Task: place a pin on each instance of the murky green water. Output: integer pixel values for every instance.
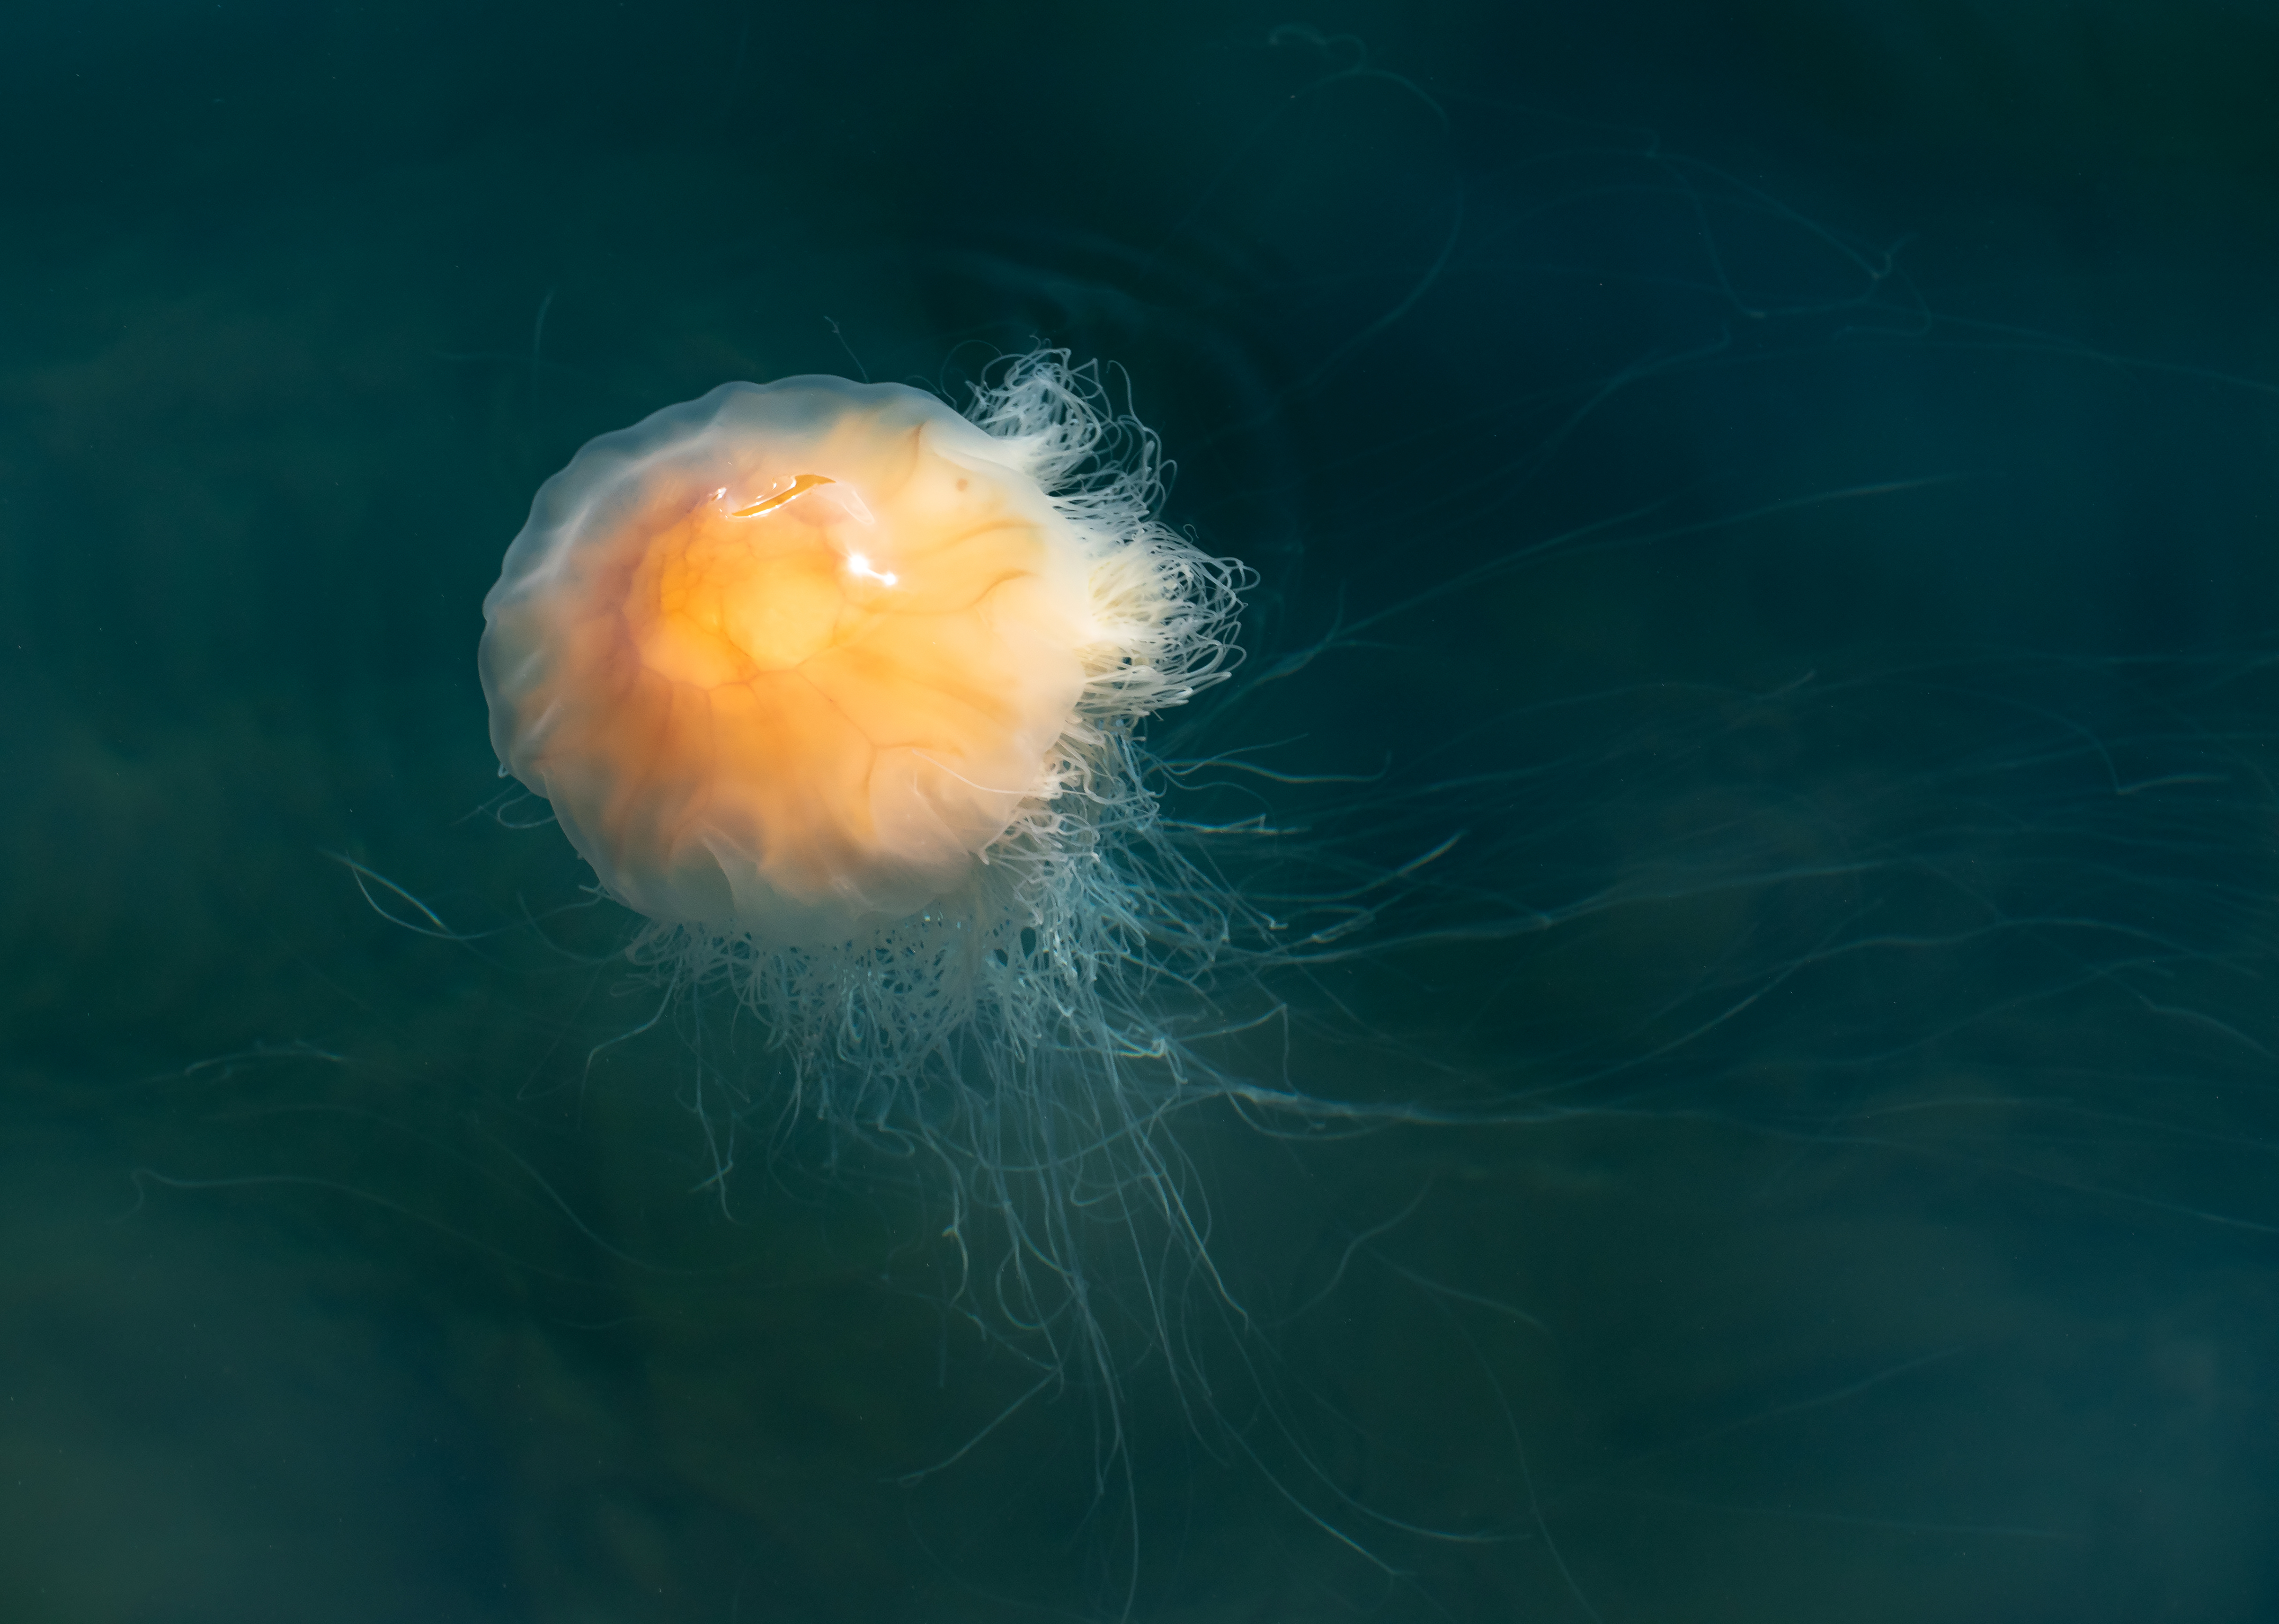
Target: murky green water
(1793, 487)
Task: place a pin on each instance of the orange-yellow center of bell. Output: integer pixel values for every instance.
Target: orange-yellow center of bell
(729, 594)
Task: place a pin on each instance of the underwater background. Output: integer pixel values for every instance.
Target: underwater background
(1788, 488)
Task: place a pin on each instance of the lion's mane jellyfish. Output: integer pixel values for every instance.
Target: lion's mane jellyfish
(838, 689)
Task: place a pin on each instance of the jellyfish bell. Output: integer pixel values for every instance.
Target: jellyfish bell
(786, 659)
(820, 675)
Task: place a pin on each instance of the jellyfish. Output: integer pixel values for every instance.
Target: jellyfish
(840, 691)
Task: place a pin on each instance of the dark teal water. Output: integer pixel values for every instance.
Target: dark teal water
(1793, 486)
